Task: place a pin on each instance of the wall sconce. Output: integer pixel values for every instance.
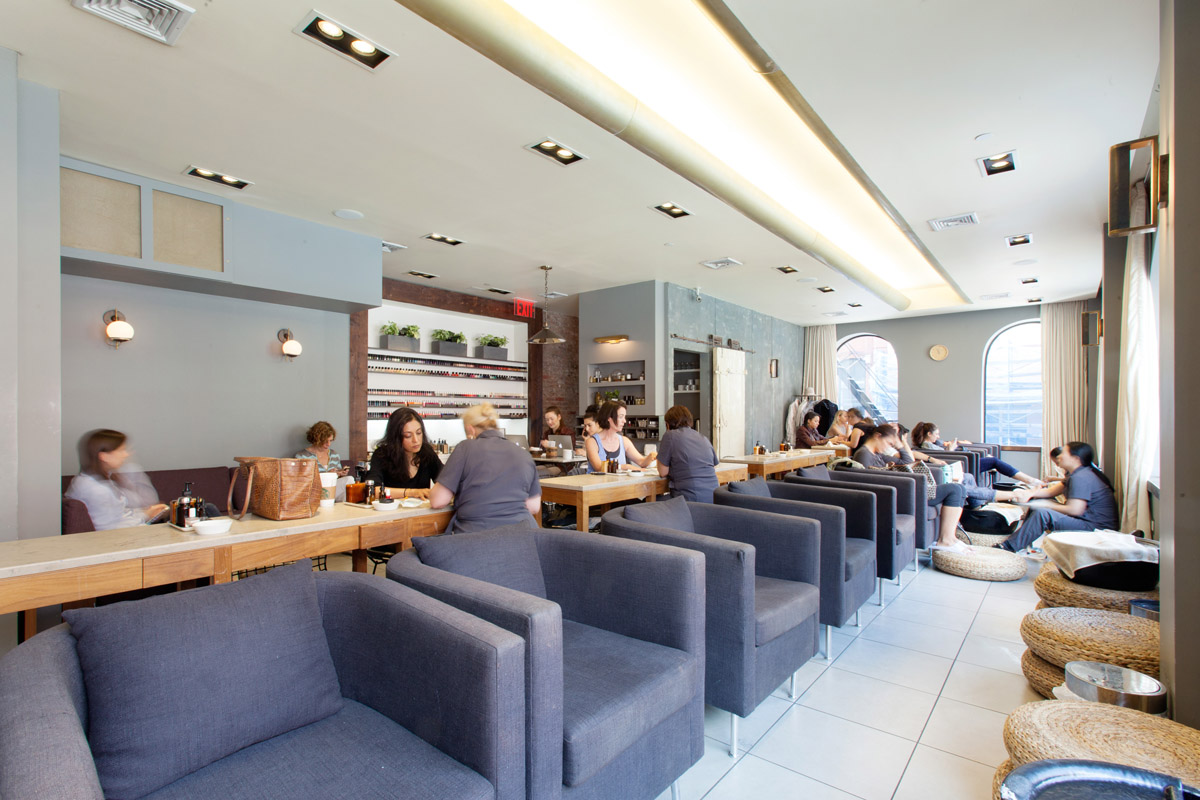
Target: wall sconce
(616, 339)
(1127, 163)
(773, 368)
(116, 329)
(291, 347)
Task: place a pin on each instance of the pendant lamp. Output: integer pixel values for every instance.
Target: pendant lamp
(545, 335)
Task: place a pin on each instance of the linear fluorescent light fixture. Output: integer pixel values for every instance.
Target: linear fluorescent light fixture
(161, 20)
(673, 211)
(443, 238)
(556, 152)
(217, 177)
(418, 274)
(1018, 240)
(332, 35)
(997, 164)
(787, 269)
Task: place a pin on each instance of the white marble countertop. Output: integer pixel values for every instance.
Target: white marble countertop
(774, 456)
(624, 477)
(50, 553)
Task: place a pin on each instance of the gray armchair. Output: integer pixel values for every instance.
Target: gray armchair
(762, 573)
(899, 529)
(614, 643)
(284, 685)
(847, 539)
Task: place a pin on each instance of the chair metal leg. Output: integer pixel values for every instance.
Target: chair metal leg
(879, 599)
(856, 618)
(792, 686)
(896, 580)
(829, 643)
(675, 795)
(733, 726)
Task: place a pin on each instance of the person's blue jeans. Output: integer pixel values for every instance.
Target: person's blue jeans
(1040, 520)
(988, 463)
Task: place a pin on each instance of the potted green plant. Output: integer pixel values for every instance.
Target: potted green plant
(449, 343)
(494, 347)
(406, 339)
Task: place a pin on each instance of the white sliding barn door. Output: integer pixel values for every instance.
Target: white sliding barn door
(729, 402)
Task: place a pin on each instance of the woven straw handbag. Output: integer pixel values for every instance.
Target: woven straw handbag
(277, 488)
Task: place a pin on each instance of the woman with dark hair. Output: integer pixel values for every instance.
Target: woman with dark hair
(404, 460)
(806, 435)
(611, 443)
(874, 447)
(556, 426)
(114, 498)
(687, 458)
(1091, 504)
(859, 426)
(926, 435)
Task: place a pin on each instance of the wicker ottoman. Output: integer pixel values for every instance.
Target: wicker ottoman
(1060, 635)
(1041, 674)
(1100, 732)
(980, 539)
(1057, 591)
(997, 779)
(981, 564)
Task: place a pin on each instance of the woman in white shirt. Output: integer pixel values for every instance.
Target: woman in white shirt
(114, 498)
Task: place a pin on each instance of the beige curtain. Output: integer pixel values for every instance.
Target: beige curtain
(820, 361)
(1137, 385)
(1064, 389)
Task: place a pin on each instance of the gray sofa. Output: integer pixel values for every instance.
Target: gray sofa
(614, 637)
(286, 685)
(847, 540)
(762, 573)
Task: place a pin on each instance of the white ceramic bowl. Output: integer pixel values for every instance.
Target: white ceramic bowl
(211, 526)
(380, 505)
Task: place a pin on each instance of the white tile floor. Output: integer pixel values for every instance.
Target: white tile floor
(911, 707)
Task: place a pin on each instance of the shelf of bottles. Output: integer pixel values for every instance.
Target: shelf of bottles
(637, 428)
(389, 363)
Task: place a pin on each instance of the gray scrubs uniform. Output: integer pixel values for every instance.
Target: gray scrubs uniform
(691, 459)
(491, 478)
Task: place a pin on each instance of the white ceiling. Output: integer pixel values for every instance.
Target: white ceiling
(433, 141)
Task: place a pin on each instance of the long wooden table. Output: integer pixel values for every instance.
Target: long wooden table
(587, 491)
(778, 463)
(78, 568)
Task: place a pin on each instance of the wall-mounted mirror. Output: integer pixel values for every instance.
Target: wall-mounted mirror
(1128, 163)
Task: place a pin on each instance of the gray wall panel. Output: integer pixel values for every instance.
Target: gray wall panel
(203, 380)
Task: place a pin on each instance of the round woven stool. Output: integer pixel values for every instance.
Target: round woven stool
(1057, 591)
(1060, 635)
(1041, 674)
(980, 539)
(1042, 604)
(981, 564)
(997, 779)
(1100, 732)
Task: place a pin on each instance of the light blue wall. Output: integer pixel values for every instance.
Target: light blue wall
(635, 310)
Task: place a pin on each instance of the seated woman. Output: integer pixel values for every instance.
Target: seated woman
(687, 458)
(555, 426)
(404, 460)
(1091, 504)
(926, 435)
(611, 443)
(320, 436)
(839, 429)
(114, 498)
(491, 482)
(806, 435)
(859, 424)
(876, 444)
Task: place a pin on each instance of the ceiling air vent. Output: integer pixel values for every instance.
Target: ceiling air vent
(997, 296)
(957, 221)
(554, 295)
(721, 263)
(161, 20)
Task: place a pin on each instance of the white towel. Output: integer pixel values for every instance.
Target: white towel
(1072, 550)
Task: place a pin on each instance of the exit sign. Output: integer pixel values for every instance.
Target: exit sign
(523, 308)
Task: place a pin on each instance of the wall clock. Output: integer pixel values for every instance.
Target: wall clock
(939, 352)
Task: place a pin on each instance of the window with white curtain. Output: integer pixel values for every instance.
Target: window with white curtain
(1012, 386)
(869, 377)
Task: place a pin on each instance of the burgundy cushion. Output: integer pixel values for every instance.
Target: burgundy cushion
(210, 483)
(75, 517)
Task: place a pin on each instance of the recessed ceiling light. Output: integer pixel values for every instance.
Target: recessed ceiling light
(825, 289)
(345, 42)
(329, 30)
(673, 211)
(441, 237)
(348, 213)
(854, 305)
(219, 178)
(1001, 162)
(494, 290)
(556, 151)
(1027, 281)
(787, 269)
(1019, 239)
(426, 275)
(1034, 300)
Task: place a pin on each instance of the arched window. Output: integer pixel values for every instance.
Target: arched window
(868, 377)
(1012, 386)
